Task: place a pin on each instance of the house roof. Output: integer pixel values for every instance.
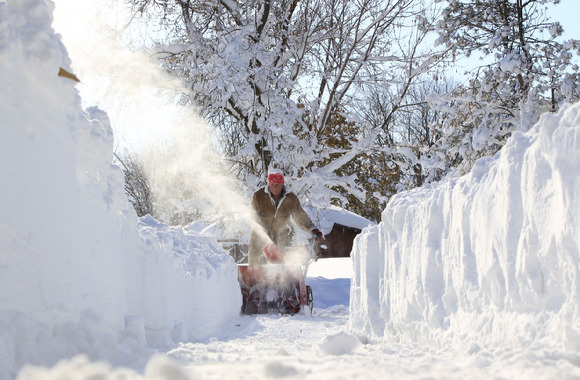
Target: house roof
(336, 215)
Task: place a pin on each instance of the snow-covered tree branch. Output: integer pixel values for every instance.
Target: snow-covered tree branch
(525, 71)
(283, 82)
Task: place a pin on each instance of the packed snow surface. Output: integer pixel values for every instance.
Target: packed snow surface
(474, 277)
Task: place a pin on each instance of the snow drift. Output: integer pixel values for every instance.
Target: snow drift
(78, 271)
(485, 261)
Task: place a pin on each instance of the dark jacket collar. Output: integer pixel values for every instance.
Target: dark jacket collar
(282, 194)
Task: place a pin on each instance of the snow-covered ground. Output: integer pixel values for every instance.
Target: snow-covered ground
(474, 277)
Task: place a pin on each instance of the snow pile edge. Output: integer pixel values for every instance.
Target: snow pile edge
(487, 260)
(79, 273)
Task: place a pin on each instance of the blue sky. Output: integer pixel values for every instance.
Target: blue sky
(567, 14)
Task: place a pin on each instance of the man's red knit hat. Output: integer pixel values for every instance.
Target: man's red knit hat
(275, 176)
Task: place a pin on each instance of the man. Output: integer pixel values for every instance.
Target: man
(272, 206)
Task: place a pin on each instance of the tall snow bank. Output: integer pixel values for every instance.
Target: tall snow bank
(78, 271)
(490, 259)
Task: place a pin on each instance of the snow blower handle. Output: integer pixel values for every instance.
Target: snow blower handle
(317, 235)
(316, 243)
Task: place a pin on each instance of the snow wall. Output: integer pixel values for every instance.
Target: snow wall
(484, 261)
(79, 272)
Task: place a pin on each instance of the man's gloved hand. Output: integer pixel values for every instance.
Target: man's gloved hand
(319, 236)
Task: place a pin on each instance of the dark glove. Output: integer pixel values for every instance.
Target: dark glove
(319, 236)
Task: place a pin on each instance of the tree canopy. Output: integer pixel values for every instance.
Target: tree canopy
(350, 98)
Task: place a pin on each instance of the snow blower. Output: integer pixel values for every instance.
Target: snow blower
(280, 286)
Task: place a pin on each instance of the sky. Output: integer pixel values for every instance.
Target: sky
(566, 12)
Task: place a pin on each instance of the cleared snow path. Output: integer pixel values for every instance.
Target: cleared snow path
(266, 346)
(319, 347)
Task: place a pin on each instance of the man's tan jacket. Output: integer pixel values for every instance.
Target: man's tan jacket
(273, 222)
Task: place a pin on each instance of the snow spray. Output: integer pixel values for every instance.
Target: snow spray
(147, 111)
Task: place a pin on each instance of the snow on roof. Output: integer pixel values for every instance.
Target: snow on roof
(337, 215)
